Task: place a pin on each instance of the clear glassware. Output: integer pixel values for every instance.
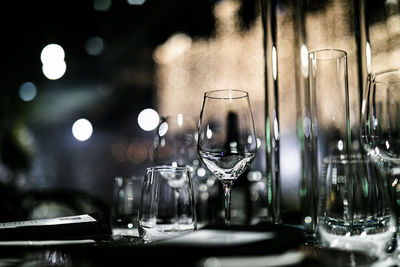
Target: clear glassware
(380, 126)
(227, 142)
(291, 30)
(328, 103)
(167, 203)
(330, 117)
(355, 208)
(126, 200)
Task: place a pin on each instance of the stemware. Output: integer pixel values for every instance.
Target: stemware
(380, 126)
(226, 137)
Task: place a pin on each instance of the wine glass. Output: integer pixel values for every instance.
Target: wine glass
(380, 129)
(227, 141)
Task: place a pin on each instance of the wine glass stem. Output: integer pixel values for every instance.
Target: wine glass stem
(227, 192)
(395, 185)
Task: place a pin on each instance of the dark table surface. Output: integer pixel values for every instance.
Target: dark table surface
(289, 246)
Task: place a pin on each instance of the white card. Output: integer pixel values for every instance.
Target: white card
(53, 221)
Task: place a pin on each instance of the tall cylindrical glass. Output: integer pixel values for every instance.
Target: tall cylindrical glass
(354, 209)
(291, 30)
(329, 105)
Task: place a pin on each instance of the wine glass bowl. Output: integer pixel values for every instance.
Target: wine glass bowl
(227, 140)
(380, 126)
(381, 115)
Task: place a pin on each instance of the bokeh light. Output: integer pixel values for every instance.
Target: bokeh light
(137, 152)
(119, 151)
(201, 172)
(148, 119)
(136, 2)
(82, 129)
(27, 91)
(254, 176)
(94, 46)
(178, 44)
(54, 70)
(52, 57)
(102, 5)
(51, 53)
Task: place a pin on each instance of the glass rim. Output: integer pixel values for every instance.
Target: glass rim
(386, 72)
(333, 52)
(213, 94)
(166, 168)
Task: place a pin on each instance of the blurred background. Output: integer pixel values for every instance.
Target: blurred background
(85, 83)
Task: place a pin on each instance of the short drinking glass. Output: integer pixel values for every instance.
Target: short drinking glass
(355, 206)
(167, 204)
